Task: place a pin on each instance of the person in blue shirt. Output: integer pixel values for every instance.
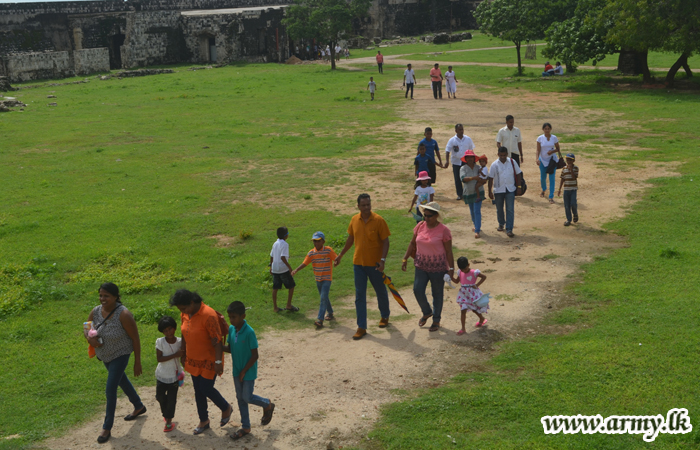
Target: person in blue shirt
(423, 163)
(433, 152)
(243, 346)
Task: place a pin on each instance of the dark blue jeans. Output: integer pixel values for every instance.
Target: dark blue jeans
(203, 389)
(570, 204)
(362, 273)
(475, 212)
(117, 378)
(458, 181)
(245, 397)
(324, 288)
(437, 286)
(508, 218)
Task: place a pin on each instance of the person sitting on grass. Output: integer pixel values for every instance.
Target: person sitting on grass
(548, 70)
(243, 347)
(321, 257)
(281, 270)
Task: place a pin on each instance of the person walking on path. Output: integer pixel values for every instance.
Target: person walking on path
(450, 82)
(505, 179)
(511, 138)
(569, 179)
(436, 80)
(115, 336)
(470, 173)
(380, 61)
(456, 147)
(321, 258)
(281, 270)
(432, 246)
(372, 86)
(432, 150)
(409, 79)
(369, 233)
(548, 154)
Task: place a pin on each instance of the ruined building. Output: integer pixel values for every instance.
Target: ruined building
(61, 39)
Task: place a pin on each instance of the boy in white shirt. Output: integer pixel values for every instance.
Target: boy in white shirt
(168, 372)
(281, 271)
(409, 79)
(371, 86)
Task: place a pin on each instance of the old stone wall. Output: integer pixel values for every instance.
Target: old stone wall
(91, 60)
(153, 37)
(33, 66)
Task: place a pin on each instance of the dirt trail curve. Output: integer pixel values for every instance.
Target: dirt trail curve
(327, 387)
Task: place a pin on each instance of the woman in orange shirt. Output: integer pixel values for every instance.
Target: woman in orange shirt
(202, 354)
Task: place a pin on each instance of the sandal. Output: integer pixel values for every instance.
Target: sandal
(330, 317)
(130, 416)
(480, 324)
(434, 327)
(239, 434)
(267, 415)
(168, 428)
(542, 194)
(424, 319)
(461, 332)
(292, 309)
(500, 229)
(318, 324)
(200, 430)
(551, 201)
(477, 235)
(225, 420)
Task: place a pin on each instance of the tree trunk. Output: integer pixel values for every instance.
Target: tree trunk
(646, 75)
(517, 49)
(570, 67)
(686, 67)
(671, 75)
(632, 62)
(333, 44)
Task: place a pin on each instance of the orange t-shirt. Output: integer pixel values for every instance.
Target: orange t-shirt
(368, 238)
(380, 58)
(199, 331)
(435, 74)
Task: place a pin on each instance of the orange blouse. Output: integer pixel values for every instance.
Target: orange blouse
(199, 331)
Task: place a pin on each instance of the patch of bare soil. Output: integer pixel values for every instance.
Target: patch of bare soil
(327, 387)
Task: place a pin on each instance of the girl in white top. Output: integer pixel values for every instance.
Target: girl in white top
(547, 150)
(168, 372)
(423, 195)
(451, 83)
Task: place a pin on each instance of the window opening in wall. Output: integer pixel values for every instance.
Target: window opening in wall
(115, 51)
(212, 50)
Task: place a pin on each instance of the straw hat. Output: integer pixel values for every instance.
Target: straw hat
(432, 206)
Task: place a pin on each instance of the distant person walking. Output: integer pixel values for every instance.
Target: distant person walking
(370, 235)
(456, 147)
(433, 151)
(548, 154)
(436, 80)
(505, 180)
(380, 61)
(409, 79)
(451, 83)
(372, 86)
(473, 189)
(569, 180)
(511, 138)
(338, 51)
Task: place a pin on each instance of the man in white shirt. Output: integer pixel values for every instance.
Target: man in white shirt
(409, 79)
(455, 149)
(338, 50)
(510, 137)
(505, 180)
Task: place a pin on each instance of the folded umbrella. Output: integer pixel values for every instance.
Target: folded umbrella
(394, 292)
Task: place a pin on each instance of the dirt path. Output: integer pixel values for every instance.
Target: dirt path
(327, 387)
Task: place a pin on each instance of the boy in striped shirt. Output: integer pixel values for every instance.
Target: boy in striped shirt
(321, 257)
(569, 180)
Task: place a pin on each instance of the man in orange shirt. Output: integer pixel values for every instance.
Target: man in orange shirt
(370, 234)
(380, 61)
(436, 78)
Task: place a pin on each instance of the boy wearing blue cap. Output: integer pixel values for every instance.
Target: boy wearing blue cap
(321, 257)
(569, 179)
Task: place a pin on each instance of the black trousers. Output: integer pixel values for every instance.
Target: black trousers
(515, 157)
(409, 86)
(381, 70)
(437, 89)
(166, 394)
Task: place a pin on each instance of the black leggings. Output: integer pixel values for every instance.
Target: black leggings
(166, 394)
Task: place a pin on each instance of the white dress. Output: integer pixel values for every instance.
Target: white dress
(450, 82)
(468, 293)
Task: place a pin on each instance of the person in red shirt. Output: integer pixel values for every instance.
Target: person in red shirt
(436, 78)
(380, 61)
(548, 70)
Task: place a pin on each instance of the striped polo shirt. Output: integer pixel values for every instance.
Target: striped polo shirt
(570, 183)
(322, 261)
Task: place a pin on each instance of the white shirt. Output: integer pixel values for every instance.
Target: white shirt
(450, 76)
(424, 195)
(510, 139)
(166, 372)
(279, 249)
(372, 86)
(410, 76)
(462, 145)
(503, 177)
(547, 146)
(337, 50)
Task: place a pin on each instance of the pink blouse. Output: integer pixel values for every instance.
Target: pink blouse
(468, 278)
(430, 248)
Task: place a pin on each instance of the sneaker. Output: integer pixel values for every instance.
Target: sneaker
(576, 218)
(566, 224)
(384, 322)
(359, 334)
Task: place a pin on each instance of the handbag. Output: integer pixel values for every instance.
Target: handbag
(523, 184)
(561, 163)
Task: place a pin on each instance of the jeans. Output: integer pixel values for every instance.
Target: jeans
(375, 277)
(324, 288)
(458, 181)
(381, 70)
(117, 377)
(570, 204)
(475, 212)
(245, 397)
(437, 89)
(543, 179)
(509, 218)
(166, 394)
(437, 286)
(409, 86)
(203, 389)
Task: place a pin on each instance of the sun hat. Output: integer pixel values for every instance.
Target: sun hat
(468, 153)
(570, 156)
(318, 236)
(482, 157)
(432, 206)
(423, 176)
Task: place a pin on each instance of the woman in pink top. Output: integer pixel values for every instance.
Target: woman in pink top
(436, 78)
(431, 249)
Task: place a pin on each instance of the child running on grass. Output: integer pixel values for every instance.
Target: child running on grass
(423, 195)
(372, 86)
(243, 347)
(168, 351)
(469, 292)
(281, 271)
(321, 257)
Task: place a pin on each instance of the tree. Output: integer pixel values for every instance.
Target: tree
(323, 20)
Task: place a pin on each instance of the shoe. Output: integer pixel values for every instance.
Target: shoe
(267, 415)
(510, 234)
(134, 416)
(566, 224)
(359, 334)
(200, 430)
(102, 439)
(319, 324)
(384, 322)
(576, 218)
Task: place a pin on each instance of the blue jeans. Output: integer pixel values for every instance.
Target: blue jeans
(324, 288)
(458, 181)
(203, 389)
(509, 218)
(375, 277)
(117, 377)
(475, 212)
(437, 286)
(245, 397)
(570, 204)
(543, 179)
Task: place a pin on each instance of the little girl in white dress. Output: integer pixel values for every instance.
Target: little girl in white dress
(469, 292)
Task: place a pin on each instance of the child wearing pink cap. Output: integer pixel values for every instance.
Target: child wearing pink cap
(423, 195)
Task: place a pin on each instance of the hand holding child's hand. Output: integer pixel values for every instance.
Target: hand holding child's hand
(294, 272)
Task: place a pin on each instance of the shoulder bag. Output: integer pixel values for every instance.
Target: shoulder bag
(523, 185)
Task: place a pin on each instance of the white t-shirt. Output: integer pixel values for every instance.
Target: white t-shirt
(462, 145)
(424, 195)
(503, 177)
(372, 86)
(547, 146)
(166, 372)
(484, 173)
(338, 50)
(410, 76)
(450, 76)
(509, 139)
(279, 249)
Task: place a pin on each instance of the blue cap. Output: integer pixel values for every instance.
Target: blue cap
(570, 156)
(318, 236)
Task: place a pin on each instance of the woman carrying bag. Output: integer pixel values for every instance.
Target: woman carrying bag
(548, 155)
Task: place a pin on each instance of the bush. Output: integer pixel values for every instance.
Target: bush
(151, 312)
